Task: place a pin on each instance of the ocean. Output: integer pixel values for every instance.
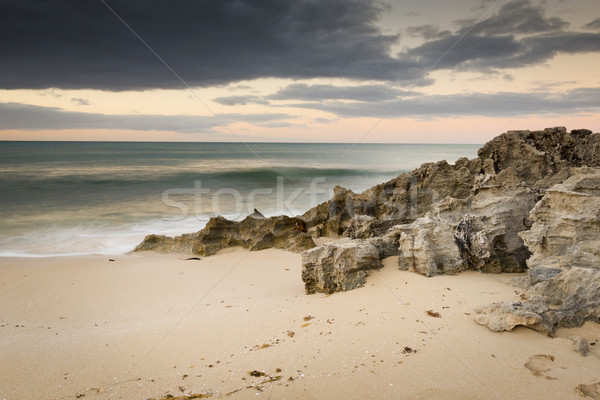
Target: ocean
(75, 198)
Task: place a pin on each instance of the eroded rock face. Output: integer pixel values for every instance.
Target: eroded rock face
(427, 246)
(531, 159)
(479, 232)
(566, 228)
(566, 300)
(253, 233)
(564, 269)
(449, 218)
(166, 244)
(336, 267)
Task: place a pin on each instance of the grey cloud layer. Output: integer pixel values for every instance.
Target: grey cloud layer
(500, 104)
(80, 44)
(301, 91)
(30, 117)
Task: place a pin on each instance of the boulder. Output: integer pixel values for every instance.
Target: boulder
(336, 267)
(566, 300)
(505, 316)
(427, 246)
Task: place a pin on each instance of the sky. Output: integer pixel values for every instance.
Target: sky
(399, 71)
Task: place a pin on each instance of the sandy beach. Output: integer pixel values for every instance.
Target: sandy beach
(147, 325)
(300, 200)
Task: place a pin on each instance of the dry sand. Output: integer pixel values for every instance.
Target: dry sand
(147, 325)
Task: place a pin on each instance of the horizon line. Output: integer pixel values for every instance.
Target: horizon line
(221, 142)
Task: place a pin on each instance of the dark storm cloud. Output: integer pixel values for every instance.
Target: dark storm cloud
(74, 44)
(500, 104)
(81, 44)
(30, 117)
(518, 35)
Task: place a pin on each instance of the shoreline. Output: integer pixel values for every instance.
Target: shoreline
(73, 324)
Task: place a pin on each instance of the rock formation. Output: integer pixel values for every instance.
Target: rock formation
(564, 269)
(529, 201)
(446, 218)
(336, 267)
(566, 228)
(566, 300)
(534, 160)
(253, 233)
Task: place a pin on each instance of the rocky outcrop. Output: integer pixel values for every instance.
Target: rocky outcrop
(530, 159)
(449, 218)
(253, 233)
(164, 244)
(564, 269)
(399, 201)
(566, 228)
(528, 201)
(336, 267)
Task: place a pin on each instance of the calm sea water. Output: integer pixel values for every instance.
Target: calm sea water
(61, 198)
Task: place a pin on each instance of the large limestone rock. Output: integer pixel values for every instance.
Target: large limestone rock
(532, 159)
(427, 246)
(564, 274)
(537, 156)
(479, 232)
(566, 228)
(505, 316)
(336, 267)
(253, 233)
(448, 218)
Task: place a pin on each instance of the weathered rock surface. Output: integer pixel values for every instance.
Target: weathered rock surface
(480, 232)
(336, 267)
(564, 269)
(505, 316)
(566, 228)
(253, 233)
(528, 159)
(449, 218)
(566, 300)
